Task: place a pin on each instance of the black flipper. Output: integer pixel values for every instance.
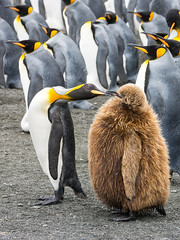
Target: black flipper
(55, 137)
(69, 175)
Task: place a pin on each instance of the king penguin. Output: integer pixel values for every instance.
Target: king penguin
(35, 78)
(28, 24)
(94, 45)
(119, 28)
(52, 133)
(75, 14)
(158, 77)
(151, 22)
(71, 62)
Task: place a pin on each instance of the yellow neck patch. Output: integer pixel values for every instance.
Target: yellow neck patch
(103, 18)
(23, 56)
(53, 33)
(37, 45)
(18, 19)
(151, 16)
(178, 35)
(147, 61)
(30, 9)
(160, 52)
(53, 96)
(72, 1)
(116, 17)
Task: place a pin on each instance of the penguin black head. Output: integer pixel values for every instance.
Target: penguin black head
(111, 17)
(28, 45)
(144, 16)
(51, 32)
(22, 10)
(173, 18)
(153, 51)
(68, 2)
(172, 45)
(80, 92)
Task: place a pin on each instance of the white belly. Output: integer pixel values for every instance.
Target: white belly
(20, 30)
(39, 127)
(89, 50)
(53, 14)
(140, 81)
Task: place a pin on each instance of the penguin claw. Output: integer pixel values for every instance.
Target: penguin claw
(81, 195)
(131, 217)
(161, 210)
(44, 201)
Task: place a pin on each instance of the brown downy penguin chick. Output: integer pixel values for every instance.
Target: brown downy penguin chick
(128, 156)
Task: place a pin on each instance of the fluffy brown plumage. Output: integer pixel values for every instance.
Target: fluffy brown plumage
(128, 156)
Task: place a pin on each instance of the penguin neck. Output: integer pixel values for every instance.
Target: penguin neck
(141, 77)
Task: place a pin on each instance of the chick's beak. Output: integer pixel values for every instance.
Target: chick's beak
(112, 93)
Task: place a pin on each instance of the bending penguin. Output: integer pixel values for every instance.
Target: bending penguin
(52, 134)
(128, 156)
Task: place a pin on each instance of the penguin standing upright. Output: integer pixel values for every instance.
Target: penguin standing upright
(10, 58)
(52, 134)
(159, 78)
(101, 57)
(75, 14)
(128, 156)
(119, 28)
(28, 24)
(71, 62)
(38, 69)
(151, 22)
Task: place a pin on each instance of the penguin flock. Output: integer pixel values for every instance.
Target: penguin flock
(62, 53)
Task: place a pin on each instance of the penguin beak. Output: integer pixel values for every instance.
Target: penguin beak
(97, 92)
(153, 36)
(13, 8)
(16, 43)
(135, 13)
(113, 93)
(142, 48)
(44, 28)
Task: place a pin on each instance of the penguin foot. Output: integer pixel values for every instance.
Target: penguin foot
(161, 210)
(80, 194)
(131, 217)
(44, 201)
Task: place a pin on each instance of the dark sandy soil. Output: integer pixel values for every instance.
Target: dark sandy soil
(23, 182)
